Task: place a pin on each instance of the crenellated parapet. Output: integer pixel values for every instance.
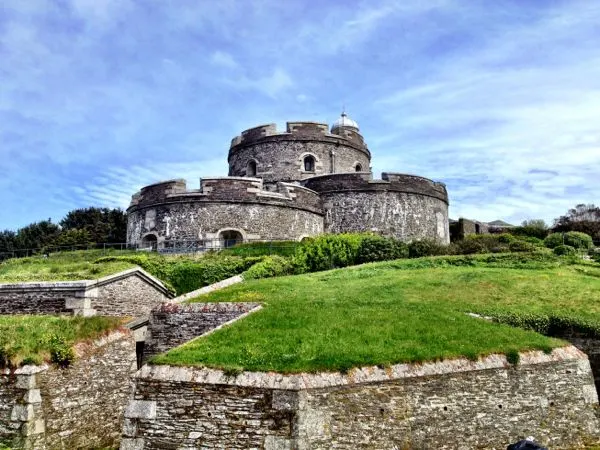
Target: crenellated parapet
(304, 150)
(363, 181)
(227, 190)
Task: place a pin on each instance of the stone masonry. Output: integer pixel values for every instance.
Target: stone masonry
(171, 324)
(454, 404)
(289, 185)
(46, 407)
(132, 292)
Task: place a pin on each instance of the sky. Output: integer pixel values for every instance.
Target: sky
(499, 100)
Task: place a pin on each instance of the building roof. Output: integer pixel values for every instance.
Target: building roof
(344, 122)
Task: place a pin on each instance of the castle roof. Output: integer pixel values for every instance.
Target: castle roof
(344, 122)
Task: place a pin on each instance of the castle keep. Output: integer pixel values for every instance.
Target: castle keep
(287, 186)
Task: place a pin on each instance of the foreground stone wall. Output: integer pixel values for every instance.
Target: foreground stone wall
(132, 292)
(450, 404)
(172, 324)
(406, 207)
(77, 407)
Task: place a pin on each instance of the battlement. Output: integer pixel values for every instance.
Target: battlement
(227, 190)
(302, 130)
(363, 182)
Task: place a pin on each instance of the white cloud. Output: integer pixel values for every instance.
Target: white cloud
(223, 59)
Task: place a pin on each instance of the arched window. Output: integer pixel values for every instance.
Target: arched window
(231, 238)
(358, 168)
(251, 169)
(309, 163)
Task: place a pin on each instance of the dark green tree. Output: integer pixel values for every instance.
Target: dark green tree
(101, 224)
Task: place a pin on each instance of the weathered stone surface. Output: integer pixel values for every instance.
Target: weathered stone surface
(45, 407)
(132, 292)
(172, 325)
(240, 204)
(402, 206)
(279, 156)
(450, 404)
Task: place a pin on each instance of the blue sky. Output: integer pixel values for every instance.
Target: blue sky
(500, 100)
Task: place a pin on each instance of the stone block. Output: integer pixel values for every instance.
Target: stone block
(141, 409)
(78, 303)
(129, 427)
(285, 400)
(22, 413)
(34, 427)
(277, 443)
(132, 444)
(33, 396)
(25, 381)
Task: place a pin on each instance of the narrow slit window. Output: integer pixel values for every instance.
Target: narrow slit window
(251, 169)
(309, 164)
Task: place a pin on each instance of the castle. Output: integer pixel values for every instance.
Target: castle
(288, 186)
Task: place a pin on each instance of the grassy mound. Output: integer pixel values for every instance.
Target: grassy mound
(398, 311)
(64, 266)
(35, 339)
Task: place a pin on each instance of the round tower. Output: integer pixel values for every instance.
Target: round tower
(305, 150)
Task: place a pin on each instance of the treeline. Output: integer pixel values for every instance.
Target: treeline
(80, 227)
(582, 218)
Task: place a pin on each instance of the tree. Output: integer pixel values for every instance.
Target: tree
(36, 235)
(582, 218)
(101, 224)
(535, 223)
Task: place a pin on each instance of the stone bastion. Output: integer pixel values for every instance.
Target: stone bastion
(286, 186)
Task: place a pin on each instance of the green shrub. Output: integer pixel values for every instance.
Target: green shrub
(61, 352)
(553, 240)
(575, 239)
(578, 240)
(529, 231)
(564, 250)
(282, 248)
(327, 252)
(470, 246)
(377, 248)
(271, 266)
(505, 238)
(521, 246)
(426, 247)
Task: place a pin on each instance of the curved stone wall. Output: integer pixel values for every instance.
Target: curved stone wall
(406, 207)
(169, 212)
(280, 156)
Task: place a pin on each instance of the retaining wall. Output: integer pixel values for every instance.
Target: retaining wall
(132, 292)
(171, 325)
(45, 407)
(450, 404)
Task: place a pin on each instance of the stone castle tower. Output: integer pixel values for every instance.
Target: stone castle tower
(286, 186)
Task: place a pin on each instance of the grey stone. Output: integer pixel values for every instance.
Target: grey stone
(141, 409)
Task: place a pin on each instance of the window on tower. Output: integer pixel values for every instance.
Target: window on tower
(251, 169)
(309, 164)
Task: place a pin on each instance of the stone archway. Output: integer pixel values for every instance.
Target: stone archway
(229, 238)
(150, 241)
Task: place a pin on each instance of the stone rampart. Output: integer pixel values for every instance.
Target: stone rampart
(406, 207)
(280, 156)
(286, 212)
(45, 407)
(132, 292)
(171, 325)
(487, 403)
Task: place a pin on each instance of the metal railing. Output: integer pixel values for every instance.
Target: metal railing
(175, 247)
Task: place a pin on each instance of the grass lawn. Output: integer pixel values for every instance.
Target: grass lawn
(392, 312)
(64, 266)
(32, 339)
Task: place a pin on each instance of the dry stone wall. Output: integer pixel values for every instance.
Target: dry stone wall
(450, 404)
(172, 325)
(81, 406)
(132, 292)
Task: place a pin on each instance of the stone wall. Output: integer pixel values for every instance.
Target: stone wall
(450, 404)
(204, 221)
(132, 292)
(77, 407)
(279, 156)
(172, 325)
(403, 206)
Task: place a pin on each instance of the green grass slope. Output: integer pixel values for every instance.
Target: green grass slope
(65, 266)
(399, 311)
(35, 339)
